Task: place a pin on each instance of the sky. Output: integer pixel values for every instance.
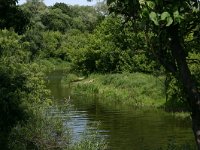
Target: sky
(70, 2)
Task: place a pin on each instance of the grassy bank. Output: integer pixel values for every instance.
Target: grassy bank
(135, 89)
(46, 127)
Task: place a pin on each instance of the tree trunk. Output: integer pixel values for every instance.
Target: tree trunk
(185, 77)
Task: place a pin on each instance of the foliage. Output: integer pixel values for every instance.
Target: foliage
(34, 38)
(66, 9)
(34, 9)
(22, 86)
(160, 17)
(56, 20)
(43, 131)
(112, 48)
(61, 17)
(92, 142)
(53, 42)
(122, 48)
(48, 130)
(86, 18)
(91, 40)
(194, 66)
(12, 16)
(173, 24)
(175, 98)
(76, 48)
(128, 89)
(49, 44)
(25, 121)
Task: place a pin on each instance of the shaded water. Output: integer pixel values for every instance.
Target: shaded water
(124, 128)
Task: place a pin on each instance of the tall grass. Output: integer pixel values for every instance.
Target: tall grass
(135, 89)
(90, 140)
(48, 130)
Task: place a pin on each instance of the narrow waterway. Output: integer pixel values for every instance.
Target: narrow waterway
(123, 128)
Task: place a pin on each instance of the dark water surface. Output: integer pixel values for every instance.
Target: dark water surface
(124, 128)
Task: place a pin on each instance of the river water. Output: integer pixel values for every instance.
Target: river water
(123, 128)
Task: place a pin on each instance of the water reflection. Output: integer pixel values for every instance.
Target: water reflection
(136, 129)
(125, 128)
(78, 123)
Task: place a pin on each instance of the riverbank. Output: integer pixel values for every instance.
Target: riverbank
(93, 96)
(134, 89)
(123, 90)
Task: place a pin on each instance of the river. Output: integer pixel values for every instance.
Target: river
(123, 128)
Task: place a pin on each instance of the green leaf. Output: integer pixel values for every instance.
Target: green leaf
(177, 17)
(176, 14)
(165, 15)
(142, 2)
(145, 12)
(150, 4)
(154, 17)
(169, 21)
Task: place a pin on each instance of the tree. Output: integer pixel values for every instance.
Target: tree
(86, 18)
(11, 16)
(65, 9)
(22, 88)
(35, 39)
(34, 9)
(56, 20)
(114, 43)
(170, 22)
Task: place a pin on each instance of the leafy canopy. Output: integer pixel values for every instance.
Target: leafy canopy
(160, 12)
(11, 16)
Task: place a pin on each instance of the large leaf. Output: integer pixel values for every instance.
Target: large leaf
(142, 2)
(169, 21)
(165, 15)
(150, 4)
(154, 17)
(177, 17)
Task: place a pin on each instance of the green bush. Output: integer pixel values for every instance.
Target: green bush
(22, 87)
(43, 131)
(112, 48)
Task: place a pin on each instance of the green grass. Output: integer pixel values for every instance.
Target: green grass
(90, 140)
(135, 89)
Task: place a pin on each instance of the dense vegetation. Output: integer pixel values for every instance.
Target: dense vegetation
(124, 89)
(170, 24)
(34, 38)
(29, 35)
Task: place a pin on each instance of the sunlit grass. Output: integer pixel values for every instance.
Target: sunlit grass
(135, 89)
